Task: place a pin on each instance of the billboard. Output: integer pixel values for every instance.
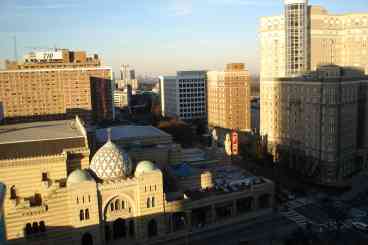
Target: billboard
(234, 143)
(49, 55)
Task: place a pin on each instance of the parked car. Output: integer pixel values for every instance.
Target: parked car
(360, 225)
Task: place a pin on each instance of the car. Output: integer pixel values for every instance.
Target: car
(360, 225)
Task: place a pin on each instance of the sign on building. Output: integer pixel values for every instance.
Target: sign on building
(234, 143)
(49, 55)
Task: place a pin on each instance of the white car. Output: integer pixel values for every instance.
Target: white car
(360, 225)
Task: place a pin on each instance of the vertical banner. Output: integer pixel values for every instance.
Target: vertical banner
(234, 143)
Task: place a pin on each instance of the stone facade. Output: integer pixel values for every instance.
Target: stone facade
(228, 98)
(319, 122)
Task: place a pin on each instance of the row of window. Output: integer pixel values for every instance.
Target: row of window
(35, 228)
(151, 188)
(84, 199)
(151, 202)
(117, 205)
(84, 214)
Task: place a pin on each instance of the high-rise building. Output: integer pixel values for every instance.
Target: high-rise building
(292, 46)
(127, 77)
(308, 36)
(184, 95)
(56, 84)
(228, 98)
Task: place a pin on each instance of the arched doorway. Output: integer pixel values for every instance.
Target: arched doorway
(119, 228)
(152, 228)
(87, 239)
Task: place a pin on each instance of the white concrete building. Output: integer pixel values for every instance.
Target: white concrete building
(184, 95)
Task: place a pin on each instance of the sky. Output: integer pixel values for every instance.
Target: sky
(155, 37)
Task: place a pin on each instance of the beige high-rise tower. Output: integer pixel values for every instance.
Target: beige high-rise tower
(229, 98)
(304, 114)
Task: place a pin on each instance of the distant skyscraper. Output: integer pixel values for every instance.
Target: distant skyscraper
(55, 85)
(127, 78)
(228, 94)
(296, 25)
(184, 95)
(292, 45)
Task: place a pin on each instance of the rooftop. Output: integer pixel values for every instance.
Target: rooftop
(127, 132)
(40, 138)
(37, 131)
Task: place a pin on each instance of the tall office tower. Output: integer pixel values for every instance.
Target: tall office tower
(228, 98)
(296, 29)
(184, 95)
(56, 84)
(331, 39)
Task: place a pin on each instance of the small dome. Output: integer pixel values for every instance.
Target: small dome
(78, 176)
(110, 162)
(144, 167)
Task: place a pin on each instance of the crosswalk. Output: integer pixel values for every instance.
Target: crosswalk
(301, 220)
(299, 202)
(295, 216)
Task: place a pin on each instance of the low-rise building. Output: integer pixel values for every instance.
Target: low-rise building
(56, 195)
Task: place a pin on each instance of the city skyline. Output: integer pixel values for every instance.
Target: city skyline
(156, 39)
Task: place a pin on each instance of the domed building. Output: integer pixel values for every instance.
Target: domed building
(113, 199)
(110, 162)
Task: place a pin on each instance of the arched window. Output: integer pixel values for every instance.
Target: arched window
(35, 228)
(89, 198)
(28, 229)
(42, 226)
(87, 239)
(81, 215)
(148, 202)
(86, 213)
(77, 200)
(112, 206)
(152, 201)
(117, 204)
(152, 228)
(123, 204)
(13, 192)
(131, 228)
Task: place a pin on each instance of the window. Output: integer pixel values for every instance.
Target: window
(123, 204)
(44, 176)
(28, 229)
(87, 213)
(117, 204)
(35, 228)
(148, 203)
(152, 201)
(42, 226)
(13, 192)
(81, 215)
(112, 206)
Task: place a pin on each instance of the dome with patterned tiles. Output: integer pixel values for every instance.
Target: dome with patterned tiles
(111, 162)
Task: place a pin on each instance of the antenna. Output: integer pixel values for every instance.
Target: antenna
(15, 48)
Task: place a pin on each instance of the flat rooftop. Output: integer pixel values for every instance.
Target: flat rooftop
(40, 139)
(127, 132)
(38, 131)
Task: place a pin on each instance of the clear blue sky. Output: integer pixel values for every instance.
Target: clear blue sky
(154, 36)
